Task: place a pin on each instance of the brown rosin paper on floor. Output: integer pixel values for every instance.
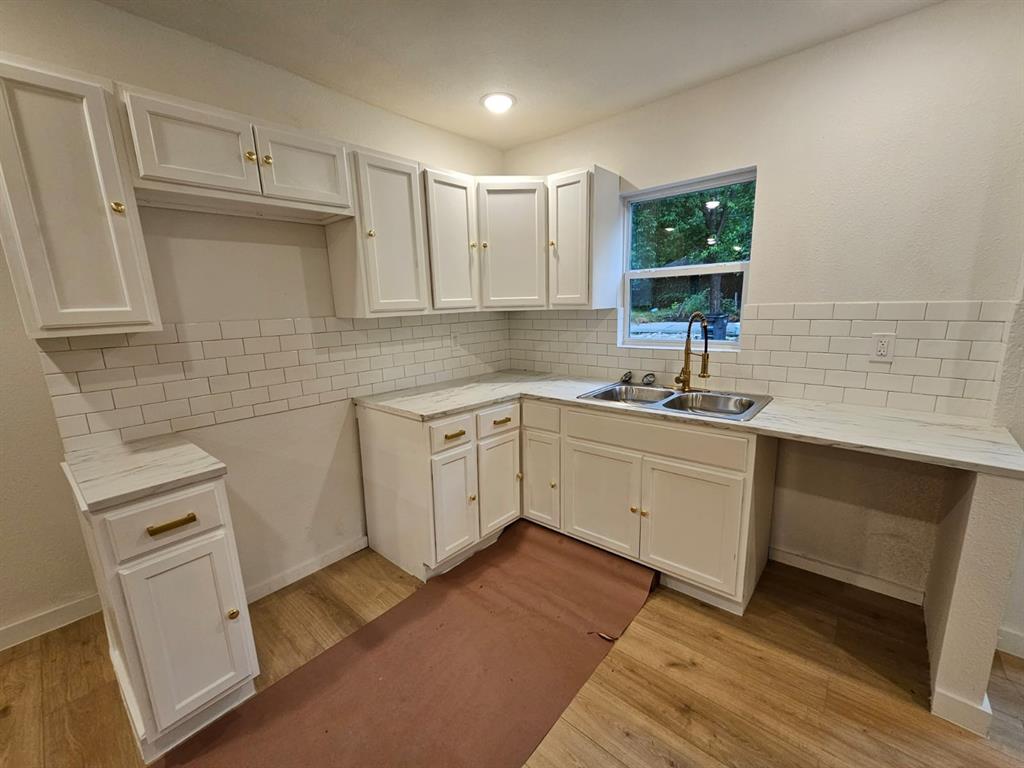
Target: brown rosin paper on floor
(470, 671)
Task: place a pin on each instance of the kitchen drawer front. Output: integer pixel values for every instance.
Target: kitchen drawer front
(499, 419)
(700, 446)
(541, 416)
(448, 433)
(130, 527)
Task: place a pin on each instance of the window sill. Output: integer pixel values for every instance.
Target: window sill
(721, 346)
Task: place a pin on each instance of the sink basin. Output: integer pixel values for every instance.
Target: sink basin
(720, 404)
(630, 393)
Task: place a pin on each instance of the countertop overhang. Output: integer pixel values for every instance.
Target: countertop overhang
(932, 438)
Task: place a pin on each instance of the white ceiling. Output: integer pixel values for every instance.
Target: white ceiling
(568, 62)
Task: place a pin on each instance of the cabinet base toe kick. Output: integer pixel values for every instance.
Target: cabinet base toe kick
(690, 502)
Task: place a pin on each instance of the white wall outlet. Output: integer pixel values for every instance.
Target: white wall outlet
(883, 346)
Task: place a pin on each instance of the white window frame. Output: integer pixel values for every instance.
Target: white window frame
(671, 190)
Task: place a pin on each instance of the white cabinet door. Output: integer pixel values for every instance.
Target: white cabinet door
(296, 167)
(691, 522)
(456, 521)
(192, 146)
(68, 223)
(190, 621)
(498, 467)
(569, 227)
(451, 227)
(601, 495)
(513, 243)
(391, 218)
(541, 462)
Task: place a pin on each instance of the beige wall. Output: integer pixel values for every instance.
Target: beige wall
(889, 161)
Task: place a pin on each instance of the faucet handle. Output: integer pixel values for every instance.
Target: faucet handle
(626, 377)
(648, 379)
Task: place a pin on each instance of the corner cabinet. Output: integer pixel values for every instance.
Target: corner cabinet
(513, 243)
(174, 607)
(437, 491)
(68, 219)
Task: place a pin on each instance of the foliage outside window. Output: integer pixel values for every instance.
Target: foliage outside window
(689, 249)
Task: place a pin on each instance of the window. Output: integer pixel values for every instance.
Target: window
(688, 250)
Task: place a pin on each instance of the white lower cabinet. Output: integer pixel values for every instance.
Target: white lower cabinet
(541, 473)
(602, 495)
(691, 522)
(175, 611)
(456, 522)
(498, 466)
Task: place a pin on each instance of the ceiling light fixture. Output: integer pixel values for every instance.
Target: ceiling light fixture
(498, 103)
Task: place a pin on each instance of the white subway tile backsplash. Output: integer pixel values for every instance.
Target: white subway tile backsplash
(944, 349)
(198, 331)
(176, 390)
(934, 385)
(814, 311)
(277, 327)
(70, 426)
(229, 383)
(145, 430)
(262, 344)
(108, 378)
(192, 422)
(975, 331)
(246, 363)
(830, 327)
(775, 311)
(855, 310)
(901, 310)
(115, 419)
(921, 329)
(148, 393)
(70, 362)
(195, 369)
(62, 383)
(99, 341)
(953, 310)
(70, 405)
(172, 409)
(208, 403)
(122, 357)
(1001, 311)
(239, 329)
(225, 348)
(187, 350)
(968, 369)
(168, 335)
(155, 374)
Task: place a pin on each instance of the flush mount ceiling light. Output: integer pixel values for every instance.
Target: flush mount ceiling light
(498, 103)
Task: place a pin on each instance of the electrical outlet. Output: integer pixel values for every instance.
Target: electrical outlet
(884, 345)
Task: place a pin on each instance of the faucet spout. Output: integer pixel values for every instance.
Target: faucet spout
(683, 379)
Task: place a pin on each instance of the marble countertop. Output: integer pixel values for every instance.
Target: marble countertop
(933, 438)
(115, 474)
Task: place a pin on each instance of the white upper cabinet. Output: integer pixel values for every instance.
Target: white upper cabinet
(569, 246)
(451, 228)
(297, 167)
(513, 243)
(177, 143)
(391, 224)
(68, 221)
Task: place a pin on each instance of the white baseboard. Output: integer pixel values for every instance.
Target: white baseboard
(848, 576)
(973, 717)
(48, 620)
(704, 595)
(254, 592)
(1011, 641)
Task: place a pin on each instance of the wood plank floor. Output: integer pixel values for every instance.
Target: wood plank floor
(816, 674)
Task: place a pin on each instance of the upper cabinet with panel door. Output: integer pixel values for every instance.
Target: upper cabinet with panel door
(198, 157)
(586, 239)
(68, 220)
(513, 242)
(452, 234)
(378, 260)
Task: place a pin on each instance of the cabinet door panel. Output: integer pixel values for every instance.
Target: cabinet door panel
(541, 494)
(456, 521)
(391, 216)
(498, 466)
(191, 146)
(513, 256)
(179, 603)
(302, 168)
(75, 261)
(451, 227)
(569, 225)
(600, 486)
(692, 523)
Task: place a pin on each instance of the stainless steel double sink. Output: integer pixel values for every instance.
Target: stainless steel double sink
(720, 405)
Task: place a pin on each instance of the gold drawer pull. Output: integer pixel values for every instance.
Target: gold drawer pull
(170, 525)
(233, 614)
(499, 422)
(453, 435)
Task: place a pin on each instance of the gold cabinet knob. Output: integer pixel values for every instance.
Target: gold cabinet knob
(268, 160)
(473, 244)
(554, 484)
(551, 243)
(633, 510)
(483, 245)
(118, 207)
(233, 613)
(250, 156)
(519, 475)
(473, 497)
(644, 513)
(371, 233)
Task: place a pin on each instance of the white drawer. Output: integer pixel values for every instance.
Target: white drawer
(448, 433)
(541, 416)
(499, 419)
(165, 519)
